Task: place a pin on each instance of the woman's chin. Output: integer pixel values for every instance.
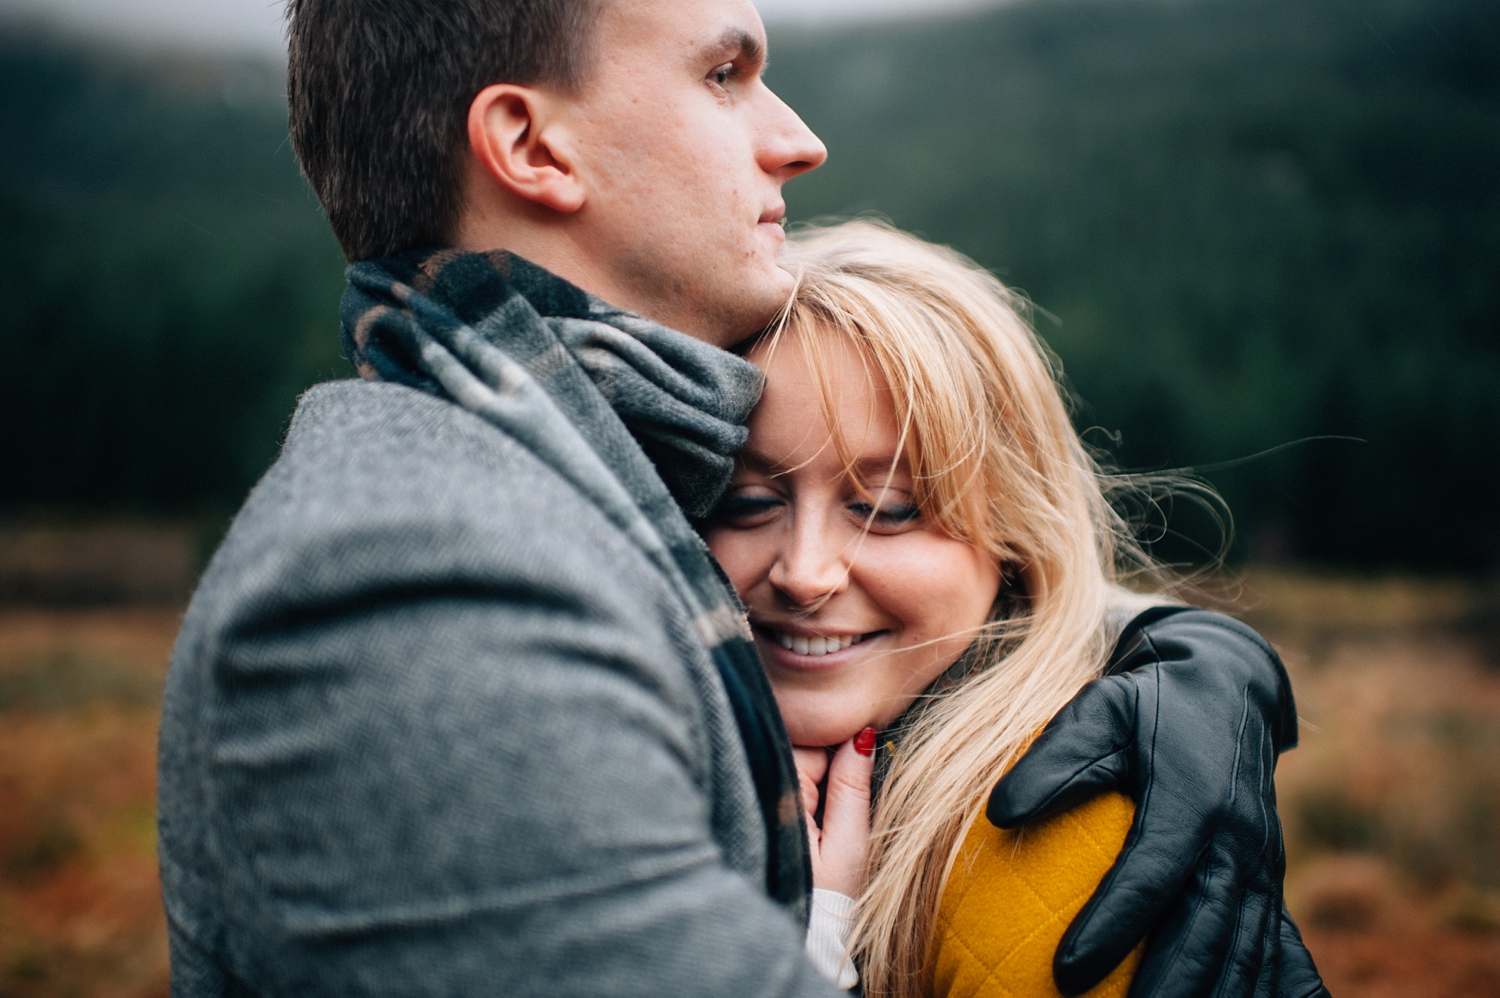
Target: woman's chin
(818, 735)
(828, 717)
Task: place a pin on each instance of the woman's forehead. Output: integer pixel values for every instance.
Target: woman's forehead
(811, 354)
(827, 406)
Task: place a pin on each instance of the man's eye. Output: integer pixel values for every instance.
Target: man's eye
(745, 511)
(723, 75)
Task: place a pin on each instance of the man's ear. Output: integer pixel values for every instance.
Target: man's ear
(509, 136)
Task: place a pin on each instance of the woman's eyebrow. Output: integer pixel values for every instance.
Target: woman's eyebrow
(888, 466)
(883, 468)
(755, 460)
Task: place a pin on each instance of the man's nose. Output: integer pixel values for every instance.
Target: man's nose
(812, 566)
(787, 147)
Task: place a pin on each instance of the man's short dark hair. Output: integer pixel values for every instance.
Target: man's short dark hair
(378, 93)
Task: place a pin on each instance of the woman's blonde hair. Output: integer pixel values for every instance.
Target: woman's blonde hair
(996, 463)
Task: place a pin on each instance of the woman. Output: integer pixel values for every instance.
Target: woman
(926, 550)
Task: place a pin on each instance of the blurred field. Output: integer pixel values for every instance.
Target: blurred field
(1392, 802)
(80, 908)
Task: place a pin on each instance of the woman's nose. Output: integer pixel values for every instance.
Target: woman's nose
(812, 566)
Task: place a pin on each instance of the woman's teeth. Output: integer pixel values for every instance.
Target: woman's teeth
(817, 646)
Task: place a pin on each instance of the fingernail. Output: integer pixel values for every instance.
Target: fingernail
(864, 742)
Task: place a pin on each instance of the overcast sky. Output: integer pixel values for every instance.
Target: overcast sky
(255, 25)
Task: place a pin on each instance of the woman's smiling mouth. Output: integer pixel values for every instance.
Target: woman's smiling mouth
(813, 646)
(816, 646)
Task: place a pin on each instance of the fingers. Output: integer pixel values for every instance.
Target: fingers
(1199, 947)
(812, 766)
(1299, 975)
(1083, 751)
(847, 805)
(1254, 940)
(1205, 847)
(846, 815)
(1223, 851)
(811, 762)
(1146, 882)
(1270, 963)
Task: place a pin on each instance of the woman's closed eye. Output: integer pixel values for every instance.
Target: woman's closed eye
(748, 507)
(886, 514)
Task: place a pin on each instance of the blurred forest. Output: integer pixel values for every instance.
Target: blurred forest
(170, 284)
(1245, 223)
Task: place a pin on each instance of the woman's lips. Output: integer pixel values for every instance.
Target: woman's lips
(813, 651)
(817, 646)
(771, 223)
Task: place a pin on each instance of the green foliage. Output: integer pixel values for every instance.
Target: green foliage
(1246, 222)
(1253, 221)
(170, 284)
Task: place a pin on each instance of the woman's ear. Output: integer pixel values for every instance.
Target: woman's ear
(509, 136)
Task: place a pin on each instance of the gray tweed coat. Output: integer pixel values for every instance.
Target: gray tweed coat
(434, 726)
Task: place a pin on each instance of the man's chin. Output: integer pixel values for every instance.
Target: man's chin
(749, 312)
(776, 286)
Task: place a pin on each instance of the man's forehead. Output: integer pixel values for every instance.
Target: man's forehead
(708, 29)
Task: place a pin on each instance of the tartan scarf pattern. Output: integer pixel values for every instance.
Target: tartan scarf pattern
(642, 420)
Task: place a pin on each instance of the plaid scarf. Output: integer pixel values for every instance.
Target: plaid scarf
(642, 420)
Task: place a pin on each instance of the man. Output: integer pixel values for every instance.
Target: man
(462, 704)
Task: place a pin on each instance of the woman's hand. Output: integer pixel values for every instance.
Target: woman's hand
(842, 785)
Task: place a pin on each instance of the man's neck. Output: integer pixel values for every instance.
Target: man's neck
(563, 245)
(554, 245)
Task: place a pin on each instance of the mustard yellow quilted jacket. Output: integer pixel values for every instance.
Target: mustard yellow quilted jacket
(1011, 895)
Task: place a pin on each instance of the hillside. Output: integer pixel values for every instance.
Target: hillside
(1251, 221)
(169, 281)
(1245, 223)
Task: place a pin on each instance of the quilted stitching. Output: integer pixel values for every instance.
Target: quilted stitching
(1011, 896)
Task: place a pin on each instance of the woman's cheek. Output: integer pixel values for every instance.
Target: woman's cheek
(736, 552)
(936, 585)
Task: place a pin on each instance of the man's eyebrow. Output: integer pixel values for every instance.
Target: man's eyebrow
(735, 43)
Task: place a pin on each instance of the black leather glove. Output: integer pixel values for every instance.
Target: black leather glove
(1189, 722)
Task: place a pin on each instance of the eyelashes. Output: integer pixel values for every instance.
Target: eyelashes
(888, 515)
(739, 509)
(747, 511)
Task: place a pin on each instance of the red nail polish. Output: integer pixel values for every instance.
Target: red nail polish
(864, 742)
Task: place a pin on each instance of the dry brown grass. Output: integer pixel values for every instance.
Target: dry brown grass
(80, 907)
(100, 563)
(1391, 804)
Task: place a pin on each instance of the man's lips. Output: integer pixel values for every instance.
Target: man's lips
(770, 222)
